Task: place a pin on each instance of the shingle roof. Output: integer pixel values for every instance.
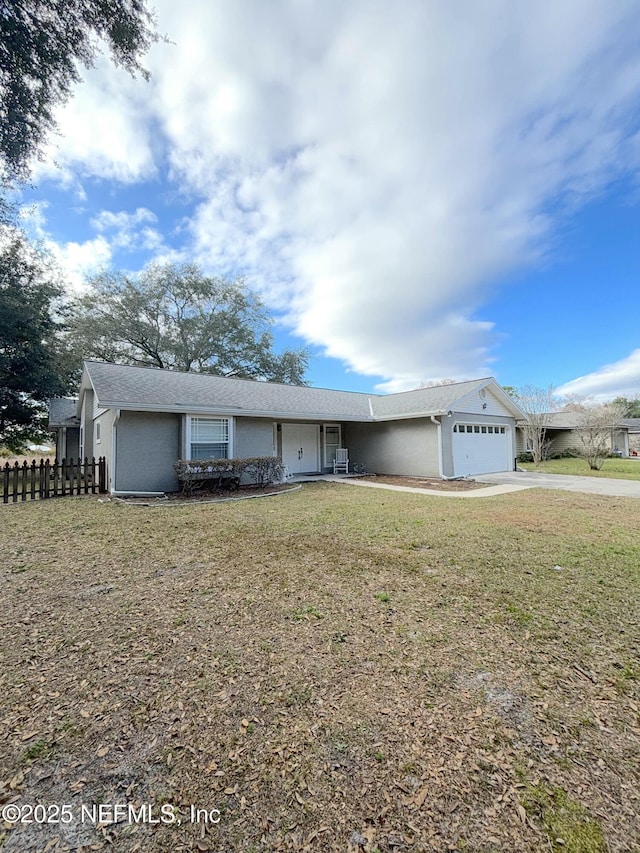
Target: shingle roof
(145, 388)
(62, 411)
(424, 401)
(572, 420)
(123, 386)
(562, 420)
(632, 424)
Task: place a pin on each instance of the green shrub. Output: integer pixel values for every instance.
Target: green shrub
(263, 469)
(227, 473)
(568, 453)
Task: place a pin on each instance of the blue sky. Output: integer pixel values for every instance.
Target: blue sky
(419, 191)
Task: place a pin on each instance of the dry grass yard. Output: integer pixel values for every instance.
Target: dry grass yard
(333, 669)
(618, 469)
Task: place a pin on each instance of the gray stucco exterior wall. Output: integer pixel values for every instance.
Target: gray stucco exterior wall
(394, 447)
(86, 425)
(147, 446)
(253, 437)
(104, 447)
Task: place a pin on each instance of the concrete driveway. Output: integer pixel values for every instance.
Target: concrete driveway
(569, 483)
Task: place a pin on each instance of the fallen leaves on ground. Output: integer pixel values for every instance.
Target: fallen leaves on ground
(333, 669)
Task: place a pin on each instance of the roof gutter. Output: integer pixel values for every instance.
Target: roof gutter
(439, 424)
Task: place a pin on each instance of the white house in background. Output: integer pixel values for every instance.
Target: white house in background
(144, 419)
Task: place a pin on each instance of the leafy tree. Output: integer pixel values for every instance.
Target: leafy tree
(32, 360)
(512, 391)
(631, 408)
(175, 317)
(42, 45)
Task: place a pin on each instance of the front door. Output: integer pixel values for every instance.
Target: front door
(300, 448)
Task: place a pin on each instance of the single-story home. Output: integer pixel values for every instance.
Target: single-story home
(633, 428)
(65, 423)
(562, 431)
(144, 419)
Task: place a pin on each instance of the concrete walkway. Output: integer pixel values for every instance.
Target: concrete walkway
(498, 484)
(489, 491)
(565, 482)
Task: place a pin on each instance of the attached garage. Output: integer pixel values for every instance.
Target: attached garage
(481, 449)
(147, 419)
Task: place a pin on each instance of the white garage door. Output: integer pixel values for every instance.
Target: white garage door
(480, 449)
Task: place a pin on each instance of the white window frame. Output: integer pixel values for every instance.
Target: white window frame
(327, 462)
(187, 431)
(98, 432)
(480, 429)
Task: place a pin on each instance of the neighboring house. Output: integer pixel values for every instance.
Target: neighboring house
(633, 427)
(563, 433)
(64, 421)
(144, 419)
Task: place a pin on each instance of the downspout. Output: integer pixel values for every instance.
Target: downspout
(439, 425)
(112, 478)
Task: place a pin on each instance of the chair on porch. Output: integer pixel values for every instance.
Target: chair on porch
(341, 462)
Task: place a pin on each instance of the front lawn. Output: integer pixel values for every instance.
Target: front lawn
(621, 469)
(334, 669)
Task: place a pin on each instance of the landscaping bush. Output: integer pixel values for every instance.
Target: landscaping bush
(196, 474)
(569, 453)
(263, 469)
(526, 456)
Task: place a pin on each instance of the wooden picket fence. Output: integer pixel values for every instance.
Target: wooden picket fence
(46, 479)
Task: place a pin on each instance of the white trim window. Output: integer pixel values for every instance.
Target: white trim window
(208, 438)
(332, 441)
(480, 428)
(98, 432)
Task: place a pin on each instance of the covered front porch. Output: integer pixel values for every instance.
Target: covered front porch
(307, 448)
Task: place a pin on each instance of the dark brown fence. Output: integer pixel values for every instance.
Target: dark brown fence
(46, 479)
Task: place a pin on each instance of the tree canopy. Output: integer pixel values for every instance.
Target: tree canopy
(42, 45)
(174, 316)
(33, 365)
(630, 408)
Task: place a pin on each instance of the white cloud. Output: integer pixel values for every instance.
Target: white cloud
(620, 379)
(375, 169)
(104, 132)
(129, 230)
(77, 261)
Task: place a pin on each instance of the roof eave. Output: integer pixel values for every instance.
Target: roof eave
(410, 415)
(330, 417)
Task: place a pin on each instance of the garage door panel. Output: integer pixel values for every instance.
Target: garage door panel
(480, 449)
